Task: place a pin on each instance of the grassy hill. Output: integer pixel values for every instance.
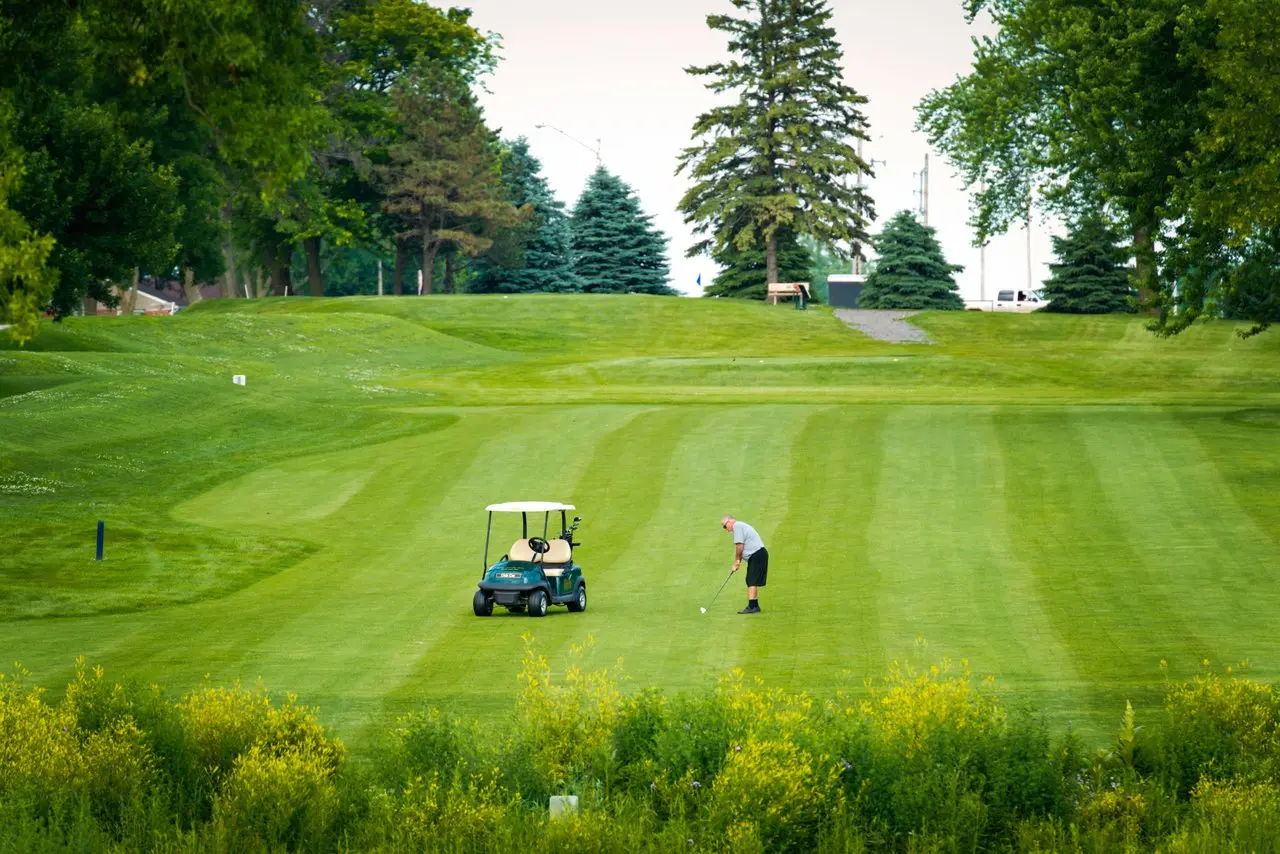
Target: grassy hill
(1065, 502)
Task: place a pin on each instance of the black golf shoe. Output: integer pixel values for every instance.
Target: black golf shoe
(752, 608)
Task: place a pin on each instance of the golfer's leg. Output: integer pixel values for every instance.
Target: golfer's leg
(752, 592)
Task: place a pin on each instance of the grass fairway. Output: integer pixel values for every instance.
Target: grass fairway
(1064, 502)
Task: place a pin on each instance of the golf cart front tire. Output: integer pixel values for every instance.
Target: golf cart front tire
(481, 604)
(579, 603)
(538, 603)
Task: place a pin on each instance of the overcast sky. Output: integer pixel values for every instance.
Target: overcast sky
(613, 71)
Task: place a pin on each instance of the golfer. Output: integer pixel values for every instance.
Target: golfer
(747, 544)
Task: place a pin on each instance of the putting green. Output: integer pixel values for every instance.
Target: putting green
(1063, 502)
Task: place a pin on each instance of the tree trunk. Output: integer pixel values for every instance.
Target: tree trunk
(228, 254)
(1144, 266)
(284, 258)
(129, 299)
(314, 278)
(448, 273)
(398, 285)
(429, 250)
(90, 307)
(189, 288)
(262, 286)
(275, 256)
(771, 258)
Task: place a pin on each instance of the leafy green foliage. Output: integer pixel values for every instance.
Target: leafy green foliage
(99, 195)
(26, 282)
(442, 182)
(537, 257)
(616, 248)
(927, 757)
(779, 156)
(1090, 276)
(1162, 113)
(910, 272)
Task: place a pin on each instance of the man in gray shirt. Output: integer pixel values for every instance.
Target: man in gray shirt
(747, 544)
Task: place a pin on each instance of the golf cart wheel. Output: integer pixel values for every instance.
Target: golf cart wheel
(538, 603)
(579, 603)
(482, 604)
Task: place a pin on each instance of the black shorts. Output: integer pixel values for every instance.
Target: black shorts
(758, 568)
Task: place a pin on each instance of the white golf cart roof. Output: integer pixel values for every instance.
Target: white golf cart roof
(529, 507)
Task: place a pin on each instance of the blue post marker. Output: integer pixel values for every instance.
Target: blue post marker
(102, 531)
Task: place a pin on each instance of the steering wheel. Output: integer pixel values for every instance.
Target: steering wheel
(539, 546)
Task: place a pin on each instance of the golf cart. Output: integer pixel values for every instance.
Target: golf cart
(536, 572)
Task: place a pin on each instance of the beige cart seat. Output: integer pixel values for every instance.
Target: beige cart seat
(560, 553)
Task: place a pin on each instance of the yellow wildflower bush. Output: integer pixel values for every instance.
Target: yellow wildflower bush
(432, 813)
(223, 723)
(38, 742)
(567, 727)
(777, 788)
(1227, 804)
(756, 710)
(910, 708)
(276, 797)
(44, 751)
(1114, 808)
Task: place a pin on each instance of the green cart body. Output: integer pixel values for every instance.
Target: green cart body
(536, 572)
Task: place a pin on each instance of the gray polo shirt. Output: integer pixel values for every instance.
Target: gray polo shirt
(745, 534)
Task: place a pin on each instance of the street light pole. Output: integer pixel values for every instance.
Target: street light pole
(857, 247)
(595, 151)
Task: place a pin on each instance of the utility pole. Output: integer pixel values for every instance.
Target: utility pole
(982, 255)
(857, 247)
(926, 188)
(1029, 238)
(923, 192)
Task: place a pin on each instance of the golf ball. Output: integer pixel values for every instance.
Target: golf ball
(703, 610)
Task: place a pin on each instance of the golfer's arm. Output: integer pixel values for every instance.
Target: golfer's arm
(737, 554)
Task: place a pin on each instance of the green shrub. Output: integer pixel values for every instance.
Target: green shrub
(277, 798)
(924, 761)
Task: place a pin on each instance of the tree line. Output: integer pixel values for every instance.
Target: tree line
(229, 140)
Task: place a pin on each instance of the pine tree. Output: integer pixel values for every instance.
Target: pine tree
(744, 273)
(780, 157)
(616, 248)
(910, 270)
(539, 256)
(1091, 277)
(442, 181)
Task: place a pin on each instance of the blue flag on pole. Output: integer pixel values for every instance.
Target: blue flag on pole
(699, 280)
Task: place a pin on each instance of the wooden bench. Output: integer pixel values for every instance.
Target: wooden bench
(778, 290)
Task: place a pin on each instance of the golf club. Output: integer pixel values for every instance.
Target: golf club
(717, 596)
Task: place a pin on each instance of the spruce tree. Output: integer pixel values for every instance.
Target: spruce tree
(1090, 277)
(616, 248)
(910, 271)
(744, 273)
(780, 156)
(537, 257)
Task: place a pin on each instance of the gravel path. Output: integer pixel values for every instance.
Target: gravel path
(888, 326)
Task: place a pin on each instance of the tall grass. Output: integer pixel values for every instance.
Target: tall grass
(930, 760)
